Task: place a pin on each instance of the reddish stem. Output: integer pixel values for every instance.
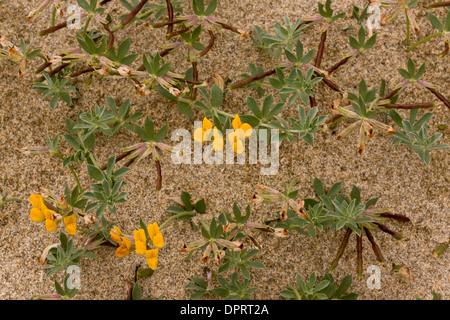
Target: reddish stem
(359, 258)
(53, 72)
(170, 14)
(53, 29)
(409, 106)
(80, 72)
(210, 44)
(383, 228)
(319, 55)
(159, 178)
(247, 81)
(195, 78)
(439, 4)
(439, 96)
(341, 250)
(339, 64)
(133, 13)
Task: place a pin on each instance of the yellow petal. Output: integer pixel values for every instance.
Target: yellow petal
(50, 225)
(153, 230)
(48, 214)
(152, 258)
(158, 240)
(236, 122)
(247, 130)
(124, 249)
(71, 228)
(206, 125)
(218, 144)
(115, 235)
(140, 247)
(70, 219)
(37, 201)
(238, 147)
(198, 134)
(233, 137)
(139, 235)
(37, 215)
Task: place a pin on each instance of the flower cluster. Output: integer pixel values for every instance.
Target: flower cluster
(41, 212)
(236, 137)
(139, 243)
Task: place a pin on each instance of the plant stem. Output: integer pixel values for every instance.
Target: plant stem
(407, 27)
(54, 71)
(53, 29)
(195, 78)
(423, 40)
(159, 177)
(323, 39)
(395, 216)
(359, 259)
(86, 25)
(71, 170)
(375, 247)
(339, 64)
(439, 4)
(53, 16)
(170, 15)
(133, 13)
(179, 215)
(341, 250)
(247, 81)
(409, 106)
(210, 44)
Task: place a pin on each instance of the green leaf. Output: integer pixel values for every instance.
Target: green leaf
(137, 292)
(435, 22)
(216, 96)
(95, 172)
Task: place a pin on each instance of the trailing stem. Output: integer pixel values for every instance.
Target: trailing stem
(133, 13)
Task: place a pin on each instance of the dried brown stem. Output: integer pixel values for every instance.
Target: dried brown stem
(312, 101)
(440, 97)
(177, 33)
(159, 177)
(133, 13)
(320, 50)
(247, 81)
(53, 72)
(383, 228)
(395, 216)
(339, 64)
(170, 15)
(409, 106)
(195, 78)
(43, 66)
(359, 259)
(341, 250)
(166, 23)
(110, 38)
(53, 29)
(228, 27)
(375, 247)
(80, 72)
(439, 4)
(210, 44)
(118, 158)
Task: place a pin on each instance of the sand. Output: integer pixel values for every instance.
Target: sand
(393, 173)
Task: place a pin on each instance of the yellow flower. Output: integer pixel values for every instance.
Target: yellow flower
(116, 234)
(152, 258)
(217, 140)
(50, 222)
(140, 241)
(155, 235)
(71, 224)
(124, 249)
(241, 131)
(201, 134)
(37, 213)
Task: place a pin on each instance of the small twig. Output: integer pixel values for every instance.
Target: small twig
(110, 38)
(53, 29)
(339, 64)
(395, 216)
(440, 97)
(118, 158)
(177, 33)
(43, 66)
